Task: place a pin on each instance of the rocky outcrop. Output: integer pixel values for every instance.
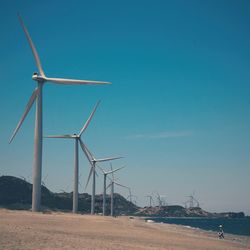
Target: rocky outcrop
(179, 211)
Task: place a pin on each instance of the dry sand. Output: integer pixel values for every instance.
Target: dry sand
(26, 230)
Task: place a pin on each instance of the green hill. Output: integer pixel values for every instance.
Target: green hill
(16, 193)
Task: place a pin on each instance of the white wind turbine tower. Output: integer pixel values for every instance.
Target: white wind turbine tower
(92, 160)
(77, 138)
(111, 185)
(41, 79)
(105, 173)
(130, 196)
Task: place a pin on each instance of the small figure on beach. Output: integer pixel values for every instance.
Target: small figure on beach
(221, 233)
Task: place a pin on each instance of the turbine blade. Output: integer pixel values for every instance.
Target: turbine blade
(89, 119)
(109, 178)
(121, 185)
(109, 186)
(115, 170)
(108, 159)
(87, 156)
(32, 46)
(101, 169)
(59, 136)
(73, 81)
(90, 173)
(86, 152)
(45, 177)
(27, 109)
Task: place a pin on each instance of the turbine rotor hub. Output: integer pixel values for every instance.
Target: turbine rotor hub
(37, 78)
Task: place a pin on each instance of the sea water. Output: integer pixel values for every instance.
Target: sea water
(231, 226)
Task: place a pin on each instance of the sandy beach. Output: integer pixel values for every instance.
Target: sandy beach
(26, 230)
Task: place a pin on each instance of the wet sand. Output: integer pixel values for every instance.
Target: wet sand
(26, 230)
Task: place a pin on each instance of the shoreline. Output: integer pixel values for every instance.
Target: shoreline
(209, 226)
(242, 239)
(56, 230)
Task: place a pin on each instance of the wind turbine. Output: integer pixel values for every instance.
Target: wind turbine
(192, 200)
(105, 173)
(77, 138)
(111, 185)
(161, 199)
(92, 160)
(158, 198)
(150, 199)
(41, 79)
(131, 196)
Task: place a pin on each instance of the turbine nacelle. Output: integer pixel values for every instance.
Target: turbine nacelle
(37, 78)
(76, 136)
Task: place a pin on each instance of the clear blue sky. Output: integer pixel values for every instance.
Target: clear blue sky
(178, 108)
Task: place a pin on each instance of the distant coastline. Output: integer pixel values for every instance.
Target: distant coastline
(176, 211)
(15, 193)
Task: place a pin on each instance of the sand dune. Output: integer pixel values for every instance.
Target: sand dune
(26, 230)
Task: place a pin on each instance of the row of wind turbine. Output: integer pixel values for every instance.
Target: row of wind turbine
(112, 184)
(37, 96)
(105, 174)
(92, 160)
(78, 140)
